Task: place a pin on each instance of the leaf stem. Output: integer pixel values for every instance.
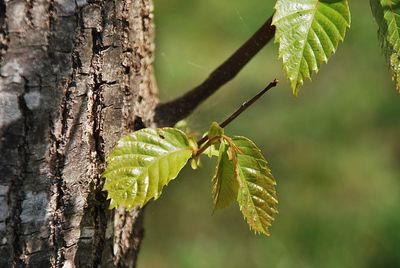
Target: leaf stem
(240, 110)
(208, 144)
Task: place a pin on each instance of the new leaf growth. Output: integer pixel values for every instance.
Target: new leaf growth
(145, 161)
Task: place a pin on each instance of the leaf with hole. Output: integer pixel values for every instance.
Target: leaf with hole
(256, 195)
(308, 32)
(143, 163)
(387, 15)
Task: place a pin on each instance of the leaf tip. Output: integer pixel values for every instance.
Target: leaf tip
(295, 85)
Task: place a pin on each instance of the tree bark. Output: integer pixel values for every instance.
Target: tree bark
(75, 76)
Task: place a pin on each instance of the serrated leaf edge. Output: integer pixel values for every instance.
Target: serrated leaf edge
(293, 80)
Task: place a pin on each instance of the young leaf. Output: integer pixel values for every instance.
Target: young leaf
(257, 196)
(211, 151)
(224, 183)
(195, 163)
(144, 162)
(215, 130)
(181, 125)
(387, 13)
(308, 32)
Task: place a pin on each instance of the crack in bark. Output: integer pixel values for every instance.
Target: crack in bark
(61, 141)
(4, 38)
(57, 162)
(29, 17)
(16, 193)
(97, 102)
(97, 154)
(51, 10)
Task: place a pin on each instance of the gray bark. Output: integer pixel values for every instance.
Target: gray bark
(75, 76)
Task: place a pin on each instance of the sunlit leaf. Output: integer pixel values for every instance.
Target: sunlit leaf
(224, 183)
(387, 15)
(308, 32)
(257, 195)
(144, 162)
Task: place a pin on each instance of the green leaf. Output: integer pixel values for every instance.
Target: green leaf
(224, 183)
(215, 131)
(195, 163)
(181, 125)
(144, 162)
(387, 15)
(308, 32)
(211, 151)
(257, 195)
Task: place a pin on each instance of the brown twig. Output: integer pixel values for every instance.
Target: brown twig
(208, 144)
(241, 109)
(167, 114)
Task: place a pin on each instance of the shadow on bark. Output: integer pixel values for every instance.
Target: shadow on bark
(74, 76)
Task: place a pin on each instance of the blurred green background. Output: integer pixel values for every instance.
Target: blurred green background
(334, 149)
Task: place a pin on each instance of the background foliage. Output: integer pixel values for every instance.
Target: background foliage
(334, 150)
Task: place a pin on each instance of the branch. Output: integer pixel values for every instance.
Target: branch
(248, 103)
(167, 114)
(241, 109)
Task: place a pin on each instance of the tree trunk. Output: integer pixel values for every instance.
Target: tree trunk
(75, 76)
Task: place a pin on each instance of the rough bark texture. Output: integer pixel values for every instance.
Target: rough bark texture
(75, 76)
